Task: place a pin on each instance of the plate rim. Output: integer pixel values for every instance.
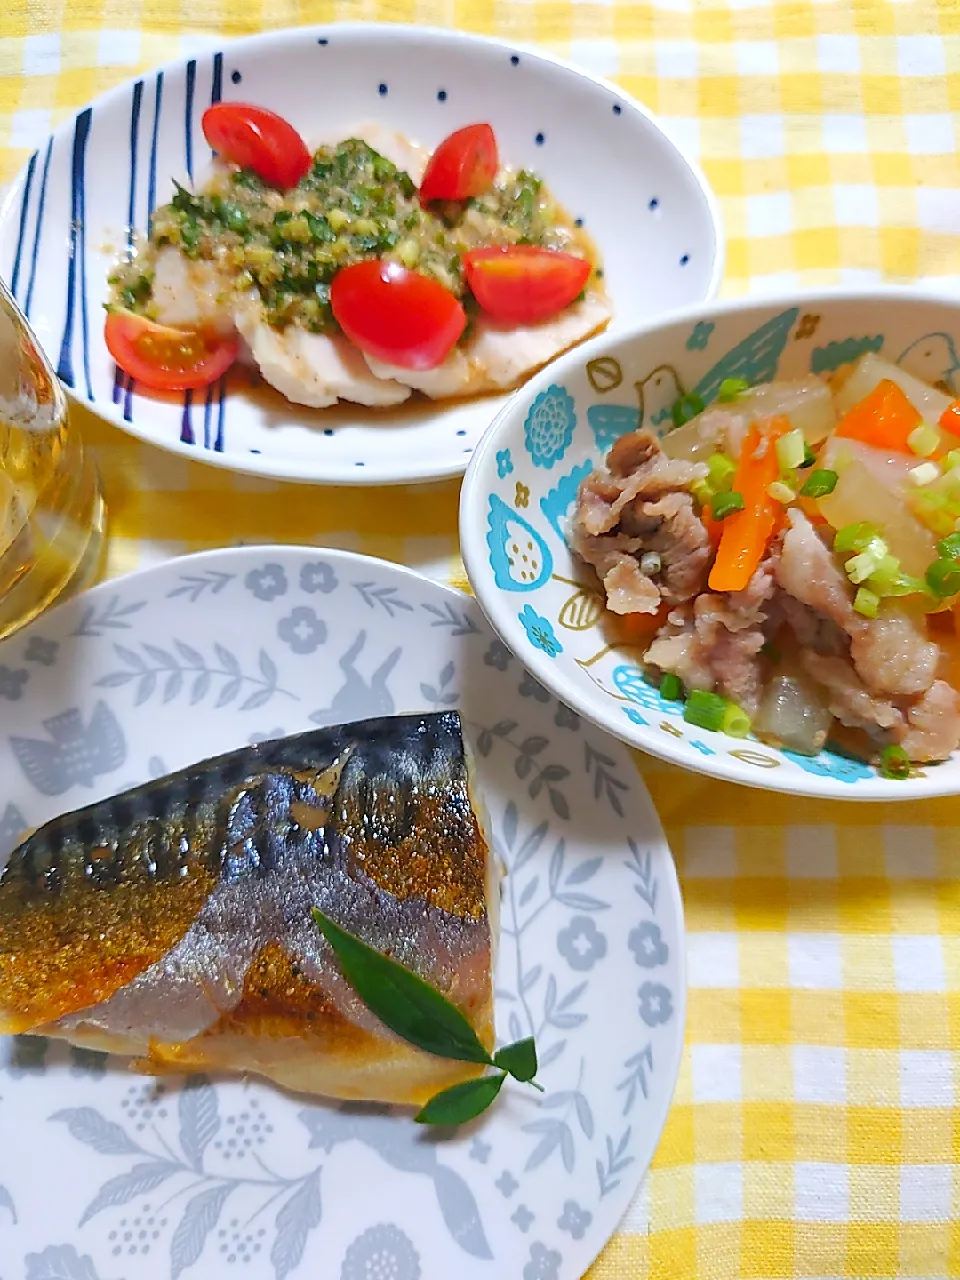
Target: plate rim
(355, 477)
(490, 599)
(652, 1131)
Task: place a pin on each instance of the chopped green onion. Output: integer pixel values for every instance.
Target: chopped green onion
(702, 490)
(943, 578)
(736, 722)
(705, 710)
(894, 763)
(885, 576)
(949, 547)
(671, 688)
(685, 408)
(819, 484)
(790, 449)
(721, 471)
(906, 586)
(924, 440)
(866, 602)
(781, 492)
(725, 504)
(952, 460)
(854, 537)
(809, 457)
(731, 388)
(926, 473)
(860, 567)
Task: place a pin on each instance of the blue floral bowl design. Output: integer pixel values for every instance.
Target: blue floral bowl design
(522, 484)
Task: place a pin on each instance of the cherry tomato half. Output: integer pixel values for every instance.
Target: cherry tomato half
(398, 316)
(257, 139)
(464, 165)
(521, 283)
(167, 359)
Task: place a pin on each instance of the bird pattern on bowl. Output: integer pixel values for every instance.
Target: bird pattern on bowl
(575, 421)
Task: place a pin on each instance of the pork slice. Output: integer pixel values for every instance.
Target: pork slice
(677, 649)
(892, 655)
(812, 629)
(808, 571)
(850, 700)
(715, 643)
(933, 724)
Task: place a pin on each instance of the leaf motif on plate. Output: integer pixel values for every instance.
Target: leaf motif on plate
(199, 1218)
(297, 1218)
(199, 1119)
(460, 1213)
(88, 1126)
(173, 668)
(6, 1202)
(59, 1262)
(126, 1186)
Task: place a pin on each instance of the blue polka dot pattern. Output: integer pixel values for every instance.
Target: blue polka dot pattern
(236, 77)
(685, 259)
(514, 60)
(442, 95)
(654, 204)
(323, 40)
(382, 90)
(617, 108)
(540, 139)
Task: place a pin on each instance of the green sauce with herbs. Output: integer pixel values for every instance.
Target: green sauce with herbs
(352, 205)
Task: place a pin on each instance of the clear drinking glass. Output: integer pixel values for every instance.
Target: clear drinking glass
(52, 515)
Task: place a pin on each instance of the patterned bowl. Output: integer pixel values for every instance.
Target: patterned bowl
(66, 218)
(523, 479)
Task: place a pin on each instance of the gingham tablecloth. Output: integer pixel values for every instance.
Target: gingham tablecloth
(814, 1131)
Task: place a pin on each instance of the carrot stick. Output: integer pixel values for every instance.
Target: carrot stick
(746, 533)
(950, 418)
(884, 419)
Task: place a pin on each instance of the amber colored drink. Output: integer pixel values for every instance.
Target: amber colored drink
(51, 519)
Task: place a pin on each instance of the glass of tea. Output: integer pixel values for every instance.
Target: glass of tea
(52, 515)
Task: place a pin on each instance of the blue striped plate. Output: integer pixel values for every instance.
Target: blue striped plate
(92, 186)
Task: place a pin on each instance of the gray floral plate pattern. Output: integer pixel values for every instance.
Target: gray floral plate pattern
(134, 1179)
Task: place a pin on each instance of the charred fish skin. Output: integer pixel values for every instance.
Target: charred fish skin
(140, 918)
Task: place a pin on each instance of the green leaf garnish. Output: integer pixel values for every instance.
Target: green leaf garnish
(419, 1014)
(519, 1060)
(405, 1003)
(461, 1102)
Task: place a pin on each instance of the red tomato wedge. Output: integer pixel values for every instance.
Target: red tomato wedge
(521, 283)
(167, 359)
(396, 315)
(257, 139)
(464, 165)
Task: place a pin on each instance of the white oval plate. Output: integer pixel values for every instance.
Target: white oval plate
(203, 654)
(64, 221)
(523, 482)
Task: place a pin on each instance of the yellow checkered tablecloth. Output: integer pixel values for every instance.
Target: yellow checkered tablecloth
(815, 1129)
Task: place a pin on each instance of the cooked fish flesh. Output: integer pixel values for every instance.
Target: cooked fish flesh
(173, 922)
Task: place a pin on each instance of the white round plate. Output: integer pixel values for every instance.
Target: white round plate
(65, 219)
(523, 481)
(130, 1177)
